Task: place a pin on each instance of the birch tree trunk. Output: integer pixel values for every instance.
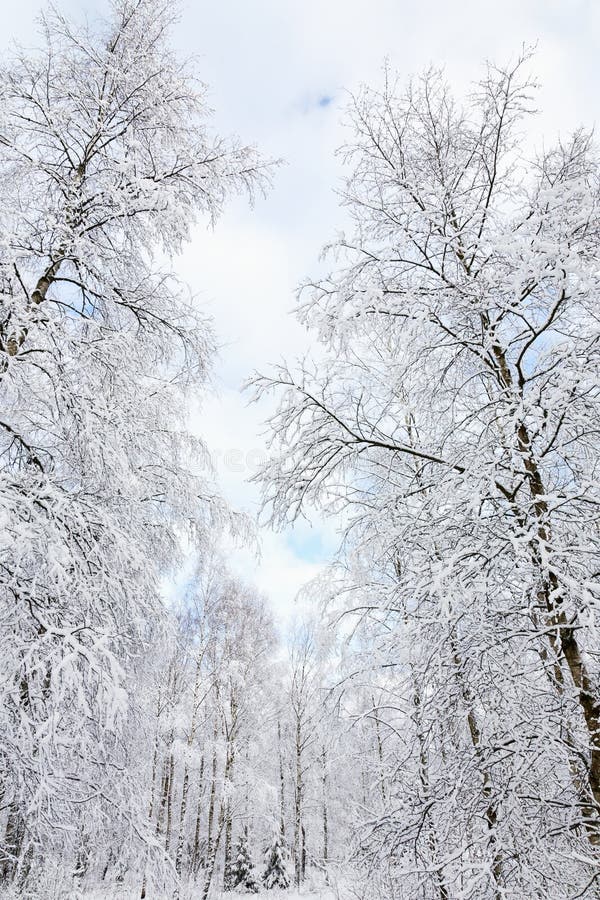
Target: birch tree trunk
(212, 855)
(195, 863)
(325, 814)
(213, 790)
(186, 765)
(281, 784)
(298, 797)
(169, 800)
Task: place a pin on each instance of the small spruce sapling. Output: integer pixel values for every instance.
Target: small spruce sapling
(243, 879)
(275, 874)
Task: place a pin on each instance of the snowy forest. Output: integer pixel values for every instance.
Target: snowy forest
(427, 726)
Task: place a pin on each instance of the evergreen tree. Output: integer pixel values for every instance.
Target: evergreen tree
(275, 874)
(242, 876)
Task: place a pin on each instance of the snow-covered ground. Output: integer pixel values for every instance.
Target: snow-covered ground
(324, 894)
(123, 893)
(319, 894)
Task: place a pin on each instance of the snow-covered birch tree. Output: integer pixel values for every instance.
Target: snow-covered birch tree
(106, 163)
(453, 422)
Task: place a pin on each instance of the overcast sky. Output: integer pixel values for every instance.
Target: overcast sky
(278, 71)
